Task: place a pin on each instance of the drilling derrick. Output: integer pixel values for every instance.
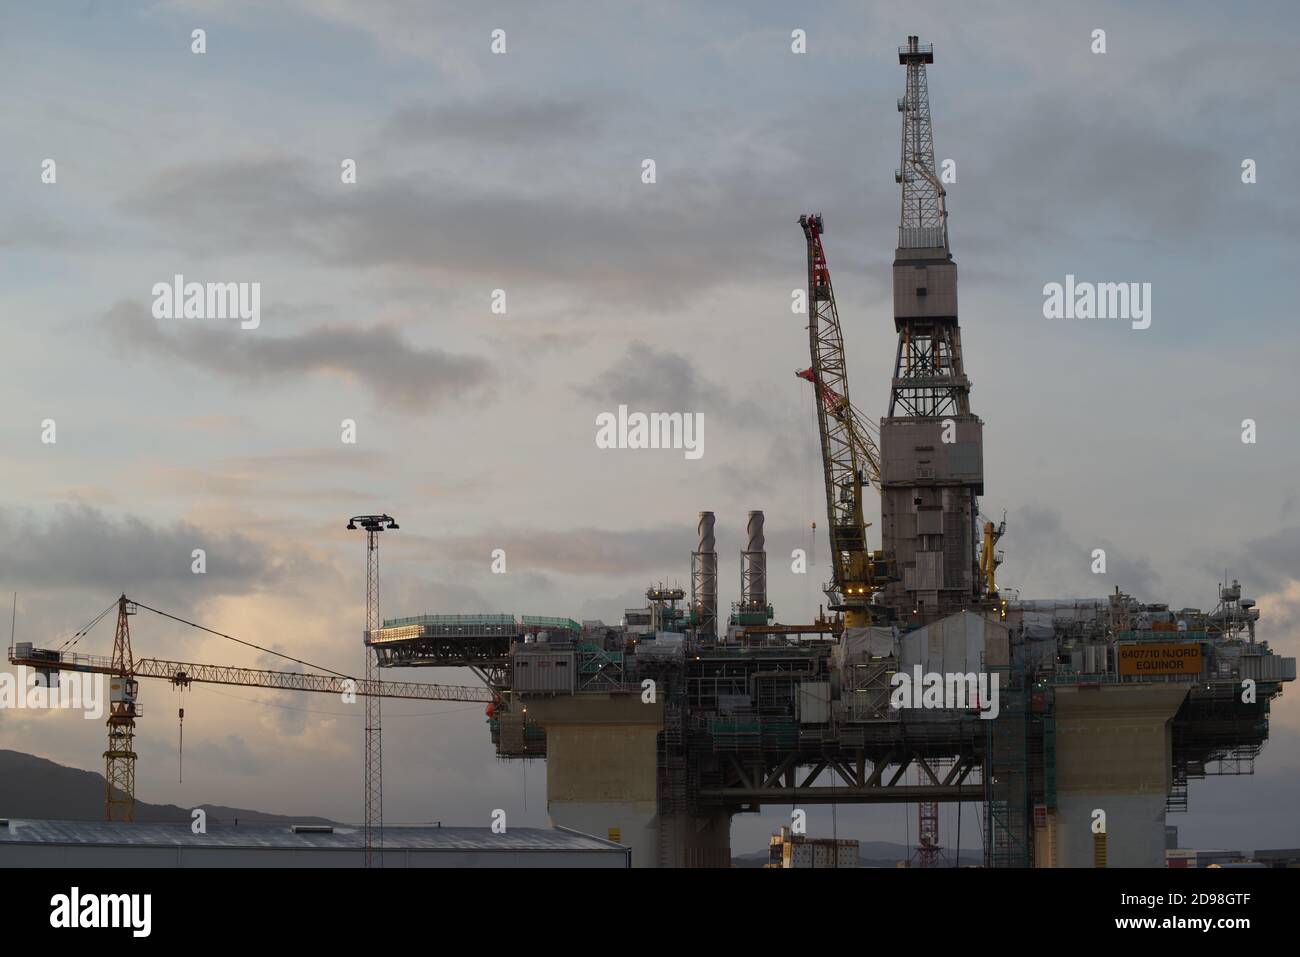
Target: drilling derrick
(857, 573)
(932, 458)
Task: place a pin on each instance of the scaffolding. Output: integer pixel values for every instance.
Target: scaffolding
(1008, 840)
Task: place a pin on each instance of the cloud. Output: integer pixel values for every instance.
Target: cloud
(1268, 563)
(37, 234)
(308, 460)
(525, 123)
(583, 551)
(397, 373)
(1044, 560)
(85, 547)
(233, 755)
(410, 29)
(649, 379)
(407, 595)
(599, 236)
(216, 423)
(1279, 621)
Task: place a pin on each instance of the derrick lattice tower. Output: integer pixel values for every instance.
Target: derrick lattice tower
(932, 469)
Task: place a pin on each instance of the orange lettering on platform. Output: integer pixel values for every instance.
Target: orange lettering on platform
(1182, 658)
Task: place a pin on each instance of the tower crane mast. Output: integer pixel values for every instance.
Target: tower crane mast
(119, 757)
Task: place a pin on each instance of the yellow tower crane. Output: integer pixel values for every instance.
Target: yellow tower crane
(123, 670)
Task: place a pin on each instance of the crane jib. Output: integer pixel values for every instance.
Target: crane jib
(849, 456)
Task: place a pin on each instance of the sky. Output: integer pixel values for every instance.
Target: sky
(522, 171)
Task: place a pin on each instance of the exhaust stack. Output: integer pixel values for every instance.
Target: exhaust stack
(704, 582)
(753, 568)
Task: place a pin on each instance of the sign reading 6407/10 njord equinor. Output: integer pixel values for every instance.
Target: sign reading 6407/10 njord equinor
(1173, 658)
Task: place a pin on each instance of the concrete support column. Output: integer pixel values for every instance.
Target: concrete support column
(601, 764)
(1114, 751)
(602, 778)
(697, 841)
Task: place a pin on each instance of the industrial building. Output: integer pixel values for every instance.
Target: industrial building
(790, 851)
(31, 843)
(1181, 859)
(1279, 857)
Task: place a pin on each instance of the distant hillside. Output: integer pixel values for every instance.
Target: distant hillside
(870, 854)
(36, 788)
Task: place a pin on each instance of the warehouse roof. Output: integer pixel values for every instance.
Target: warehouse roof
(341, 837)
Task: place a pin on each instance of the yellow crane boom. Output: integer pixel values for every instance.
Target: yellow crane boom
(848, 453)
(184, 672)
(861, 430)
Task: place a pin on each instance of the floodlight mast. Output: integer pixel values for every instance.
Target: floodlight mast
(374, 768)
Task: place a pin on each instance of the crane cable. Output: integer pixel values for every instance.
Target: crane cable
(180, 743)
(78, 635)
(240, 641)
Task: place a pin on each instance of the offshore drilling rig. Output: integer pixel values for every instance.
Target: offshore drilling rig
(660, 729)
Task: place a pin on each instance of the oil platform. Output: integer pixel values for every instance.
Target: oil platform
(658, 730)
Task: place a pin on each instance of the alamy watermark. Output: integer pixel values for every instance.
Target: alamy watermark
(1100, 300)
(179, 299)
(651, 430)
(952, 691)
(75, 909)
(66, 690)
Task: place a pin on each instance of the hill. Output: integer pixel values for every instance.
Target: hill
(36, 788)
